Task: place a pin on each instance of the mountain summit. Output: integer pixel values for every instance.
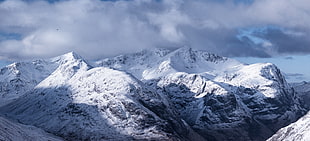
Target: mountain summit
(155, 63)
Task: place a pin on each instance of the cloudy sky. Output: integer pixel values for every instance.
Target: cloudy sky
(249, 30)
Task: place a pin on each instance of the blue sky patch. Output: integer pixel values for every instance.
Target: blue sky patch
(10, 36)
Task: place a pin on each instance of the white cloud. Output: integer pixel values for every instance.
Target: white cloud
(168, 23)
(96, 28)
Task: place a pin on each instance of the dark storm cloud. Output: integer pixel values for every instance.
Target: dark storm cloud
(276, 41)
(97, 28)
(223, 41)
(289, 43)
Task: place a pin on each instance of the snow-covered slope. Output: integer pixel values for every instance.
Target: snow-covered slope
(79, 102)
(219, 97)
(18, 78)
(156, 63)
(297, 131)
(135, 63)
(11, 131)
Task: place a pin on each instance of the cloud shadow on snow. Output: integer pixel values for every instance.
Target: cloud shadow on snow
(54, 110)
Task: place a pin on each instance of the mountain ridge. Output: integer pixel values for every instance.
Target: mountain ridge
(183, 94)
(70, 94)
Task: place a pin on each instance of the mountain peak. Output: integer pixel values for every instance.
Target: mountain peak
(192, 52)
(71, 55)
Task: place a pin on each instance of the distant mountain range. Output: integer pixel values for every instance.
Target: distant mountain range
(157, 94)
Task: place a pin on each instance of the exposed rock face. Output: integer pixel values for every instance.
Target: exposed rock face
(303, 91)
(299, 130)
(237, 112)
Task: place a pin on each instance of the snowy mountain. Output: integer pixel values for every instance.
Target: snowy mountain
(79, 102)
(11, 131)
(157, 94)
(156, 63)
(18, 78)
(219, 97)
(251, 105)
(297, 131)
